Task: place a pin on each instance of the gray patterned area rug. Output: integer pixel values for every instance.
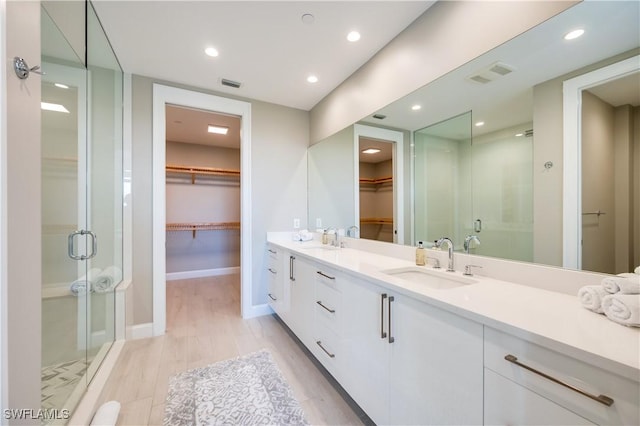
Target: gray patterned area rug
(248, 390)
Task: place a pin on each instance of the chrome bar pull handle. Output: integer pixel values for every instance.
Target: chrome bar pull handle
(94, 244)
(602, 399)
(272, 251)
(71, 246)
(333, 311)
(383, 334)
(291, 274)
(325, 275)
(272, 271)
(319, 343)
(391, 338)
(272, 298)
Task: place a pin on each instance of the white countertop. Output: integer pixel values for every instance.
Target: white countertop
(549, 318)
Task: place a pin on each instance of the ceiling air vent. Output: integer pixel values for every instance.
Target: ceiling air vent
(379, 116)
(231, 83)
(491, 73)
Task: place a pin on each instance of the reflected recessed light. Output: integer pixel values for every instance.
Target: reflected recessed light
(211, 51)
(573, 34)
(480, 123)
(220, 130)
(62, 86)
(53, 107)
(370, 151)
(353, 36)
(416, 107)
(312, 79)
(519, 134)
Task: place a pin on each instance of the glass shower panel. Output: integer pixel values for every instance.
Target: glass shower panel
(503, 192)
(65, 282)
(442, 167)
(104, 179)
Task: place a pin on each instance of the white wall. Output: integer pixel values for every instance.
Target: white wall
(447, 35)
(279, 141)
(22, 209)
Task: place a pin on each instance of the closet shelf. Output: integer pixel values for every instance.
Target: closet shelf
(203, 226)
(201, 171)
(376, 221)
(376, 181)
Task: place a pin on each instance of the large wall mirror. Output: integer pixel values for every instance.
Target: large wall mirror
(484, 148)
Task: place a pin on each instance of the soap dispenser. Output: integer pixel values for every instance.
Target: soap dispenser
(421, 257)
(325, 237)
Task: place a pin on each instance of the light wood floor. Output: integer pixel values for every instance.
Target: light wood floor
(204, 326)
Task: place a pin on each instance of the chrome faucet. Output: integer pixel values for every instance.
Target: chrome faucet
(352, 231)
(468, 240)
(450, 244)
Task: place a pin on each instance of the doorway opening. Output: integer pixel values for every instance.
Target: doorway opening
(232, 223)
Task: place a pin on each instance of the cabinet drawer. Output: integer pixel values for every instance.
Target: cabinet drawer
(508, 403)
(274, 258)
(559, 367)
(328, 306)
(327, 348)
(329, 278)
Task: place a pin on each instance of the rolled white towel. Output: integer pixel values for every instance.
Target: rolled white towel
(107, 280)
(85, 283)
(623, 285)
(107, 414)
(591, 297)
(306, 235)
(637, 270)
(626, 275)
(622, 308)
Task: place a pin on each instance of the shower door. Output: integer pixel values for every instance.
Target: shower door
(81, 200)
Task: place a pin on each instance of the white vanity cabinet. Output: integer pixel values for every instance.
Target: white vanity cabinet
(551, 387)
(300, 284)
(275, 288)
(409, 362)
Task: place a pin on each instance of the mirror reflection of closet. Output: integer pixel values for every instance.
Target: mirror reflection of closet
(376, 160)
(610, 170)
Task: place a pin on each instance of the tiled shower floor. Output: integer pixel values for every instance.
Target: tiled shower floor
(59, 381)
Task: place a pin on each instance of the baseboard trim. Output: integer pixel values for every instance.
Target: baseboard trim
(257, 311)
(172, 276)
(139, 331)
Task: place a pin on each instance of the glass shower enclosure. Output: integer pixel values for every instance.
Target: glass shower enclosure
(81, 171)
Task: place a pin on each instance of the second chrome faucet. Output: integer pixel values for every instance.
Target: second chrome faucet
(450, 246)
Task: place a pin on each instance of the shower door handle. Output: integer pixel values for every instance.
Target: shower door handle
(71, 245)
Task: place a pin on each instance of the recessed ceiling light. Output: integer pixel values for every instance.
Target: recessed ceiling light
(574, 34)
(211, 51)
(62, 86)
(353, 36)
(220, 130)
(480, 123)
(416, 107)
(312, 79)
(519, 134)
(370, 151)
(53, 107)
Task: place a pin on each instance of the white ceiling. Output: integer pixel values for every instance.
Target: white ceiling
(385, 147)
(262, 44)
(189, 125)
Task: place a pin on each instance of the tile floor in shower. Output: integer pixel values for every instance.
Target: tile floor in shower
(59, 381)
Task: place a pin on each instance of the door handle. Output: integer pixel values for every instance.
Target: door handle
(391, 338)
(71, 245)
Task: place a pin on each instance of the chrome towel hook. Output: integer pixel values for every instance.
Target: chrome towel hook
(22, 69)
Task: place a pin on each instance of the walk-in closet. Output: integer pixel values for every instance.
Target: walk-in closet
(376, 190)
(202, 193)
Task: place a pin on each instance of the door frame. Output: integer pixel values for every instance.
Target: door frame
(572, 153)
(163, 95)
(397, 139)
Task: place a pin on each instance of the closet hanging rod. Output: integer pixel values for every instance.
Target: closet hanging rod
(597, 213)
(202, 171)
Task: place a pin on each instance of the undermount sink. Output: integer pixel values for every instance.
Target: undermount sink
(432, 279)
(319, 247)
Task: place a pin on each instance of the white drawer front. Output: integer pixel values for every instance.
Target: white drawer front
(508, 403)
(329, 307)
(588, 378)
(327, 349)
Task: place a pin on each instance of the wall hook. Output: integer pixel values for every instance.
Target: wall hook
(22, 69)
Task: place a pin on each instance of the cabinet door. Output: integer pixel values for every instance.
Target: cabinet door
(301, 302)
(508, 403)
(366, 348)
(436, 366)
